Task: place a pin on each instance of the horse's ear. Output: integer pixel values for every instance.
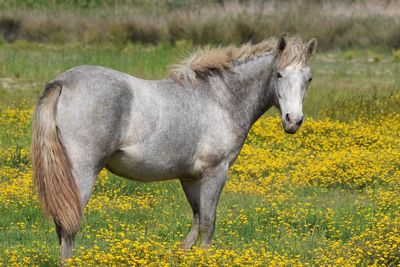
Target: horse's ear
(281, 43)
(311, 47)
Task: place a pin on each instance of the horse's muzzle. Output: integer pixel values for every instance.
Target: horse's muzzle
(291, 124)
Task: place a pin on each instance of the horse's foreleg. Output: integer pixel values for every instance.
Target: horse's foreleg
(192, 192)
(212, 182)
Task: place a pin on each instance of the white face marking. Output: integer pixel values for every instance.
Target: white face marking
(291, 85)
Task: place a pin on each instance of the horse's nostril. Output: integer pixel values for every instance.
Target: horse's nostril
(299, 122)
(287, 117)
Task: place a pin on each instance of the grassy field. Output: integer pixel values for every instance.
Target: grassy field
(329, 195)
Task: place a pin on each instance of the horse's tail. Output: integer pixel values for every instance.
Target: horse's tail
(52, 169)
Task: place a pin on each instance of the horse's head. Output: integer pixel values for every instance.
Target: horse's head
(291, 79)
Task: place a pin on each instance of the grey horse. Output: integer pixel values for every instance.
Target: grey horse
(189, 126)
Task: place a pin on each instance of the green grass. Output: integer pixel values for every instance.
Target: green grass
(170, 218)
(337, 81)
(26, 68)
(342, 89)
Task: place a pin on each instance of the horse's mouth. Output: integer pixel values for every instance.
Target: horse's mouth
(290, 129)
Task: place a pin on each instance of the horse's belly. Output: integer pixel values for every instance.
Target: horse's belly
(133, 164)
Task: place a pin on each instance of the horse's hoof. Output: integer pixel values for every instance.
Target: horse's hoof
(185, 247)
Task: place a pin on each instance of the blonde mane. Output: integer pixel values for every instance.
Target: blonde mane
(206, 61)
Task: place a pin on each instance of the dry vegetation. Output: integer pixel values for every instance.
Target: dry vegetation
(340, 24)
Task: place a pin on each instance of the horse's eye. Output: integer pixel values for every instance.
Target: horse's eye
(279, 75)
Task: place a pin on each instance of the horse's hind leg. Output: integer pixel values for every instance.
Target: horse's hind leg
(66, 241)
(85, 174)
(192, 192)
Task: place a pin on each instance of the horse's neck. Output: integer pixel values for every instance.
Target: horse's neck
(247, 94)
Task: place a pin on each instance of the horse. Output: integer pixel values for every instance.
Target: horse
(189, 126)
